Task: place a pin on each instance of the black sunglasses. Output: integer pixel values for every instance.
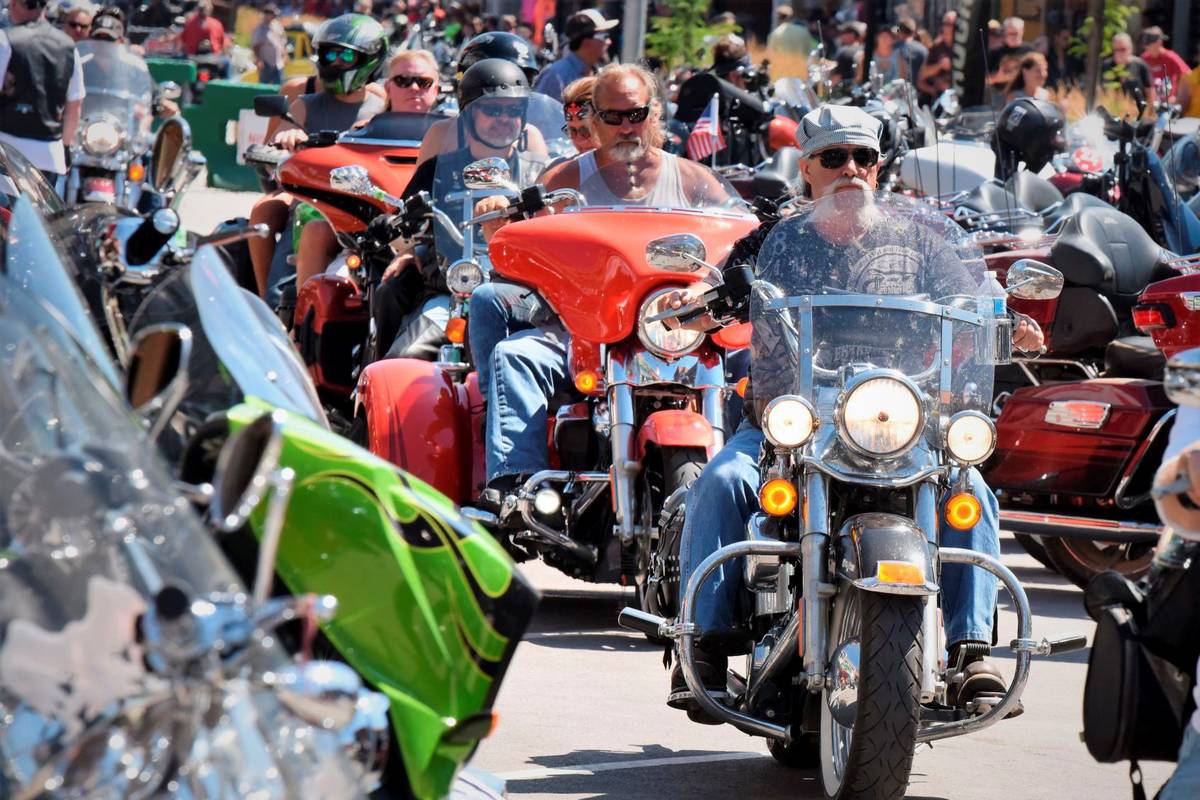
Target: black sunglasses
(79, 26)
(613, 116)
(497, 110)
(836, 159)
(418, 81)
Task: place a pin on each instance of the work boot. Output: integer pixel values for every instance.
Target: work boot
(491, 499)
(712, 673)
(981, 680)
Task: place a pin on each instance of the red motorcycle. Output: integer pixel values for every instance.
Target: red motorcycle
(648, 410)
(1074, 460)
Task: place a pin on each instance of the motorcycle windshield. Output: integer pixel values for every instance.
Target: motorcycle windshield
(508, 136)
(118, 86)
(239, 349)
(393, 126)
(659, 181)
(860, 285)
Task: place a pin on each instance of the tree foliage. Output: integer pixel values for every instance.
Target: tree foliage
(683, 34)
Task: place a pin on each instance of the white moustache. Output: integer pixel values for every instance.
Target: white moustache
(844, 182)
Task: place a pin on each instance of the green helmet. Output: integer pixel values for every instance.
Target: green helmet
(350, 50)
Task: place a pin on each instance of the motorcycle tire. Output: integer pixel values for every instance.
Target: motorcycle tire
(1033, 546)
(679, 468)
(879, 748)
(1080, 560)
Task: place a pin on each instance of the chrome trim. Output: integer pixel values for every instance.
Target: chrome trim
(349, 138)
(644, 368)
(814, 546)
(926, 589)
(1088, 370)
(781, 653)
(946, 437)
(894, 303)
(870, 375)
(927, 516)
(686, 632)
(1058, 404)
(524, 504)
(954, 555)
(1136, 461)
(622, 434)
(812, 413)
(1191, 300)
(1037, 522)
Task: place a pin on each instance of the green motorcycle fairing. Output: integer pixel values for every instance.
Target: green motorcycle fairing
(430, 607)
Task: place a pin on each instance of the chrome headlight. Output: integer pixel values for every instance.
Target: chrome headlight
(788, 421)
(464, 277)
(880, 414)
(970, 438)
(656, 336)
(102, 136)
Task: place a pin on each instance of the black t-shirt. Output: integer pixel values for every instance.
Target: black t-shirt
(1135, 74)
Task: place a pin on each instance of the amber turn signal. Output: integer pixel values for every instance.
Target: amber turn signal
(740, 386)
(963, 512)
(778, 497)
(353, 261)
(587, 381)
(136, 171)
(900, 572)
(456, 330)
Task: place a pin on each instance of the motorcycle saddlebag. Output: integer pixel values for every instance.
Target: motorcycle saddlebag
(1135, 704)
(331, 320)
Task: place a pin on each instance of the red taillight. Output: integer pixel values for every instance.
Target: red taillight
(1152, 317)
(1077, 413)
(204, 76)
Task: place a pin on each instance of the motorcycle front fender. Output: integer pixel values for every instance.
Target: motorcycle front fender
(676, 428)
(418, 418)
(867, 540)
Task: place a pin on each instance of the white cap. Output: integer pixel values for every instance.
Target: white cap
(829, 125)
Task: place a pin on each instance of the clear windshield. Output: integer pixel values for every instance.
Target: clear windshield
(1088, 149)
(239, 347)
(659, 180)
(394, 126)
(858, 281)
(119, 85)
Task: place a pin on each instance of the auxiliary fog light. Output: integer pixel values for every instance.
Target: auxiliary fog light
(547, 502)
(778, 497)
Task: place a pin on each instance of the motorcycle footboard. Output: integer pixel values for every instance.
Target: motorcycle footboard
(1024, 647)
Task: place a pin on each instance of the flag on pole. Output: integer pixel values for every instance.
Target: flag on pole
(705, 138)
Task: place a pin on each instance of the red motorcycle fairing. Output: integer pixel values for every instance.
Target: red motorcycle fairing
(1037, 456)
(1176, 325)
(676, 428)
(598, 291)
(419, 419)
(331, 320)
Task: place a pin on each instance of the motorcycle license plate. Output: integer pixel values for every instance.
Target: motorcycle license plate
(101, 190)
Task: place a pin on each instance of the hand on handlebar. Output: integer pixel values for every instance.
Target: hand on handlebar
(399, 264)
(1177, 492)
(290, 139)
(688, 296)
(1027, 334)
(486, 206)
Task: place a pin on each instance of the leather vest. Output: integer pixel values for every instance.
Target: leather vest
(35, 88)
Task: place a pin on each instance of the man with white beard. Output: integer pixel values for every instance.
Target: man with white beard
(518, 346)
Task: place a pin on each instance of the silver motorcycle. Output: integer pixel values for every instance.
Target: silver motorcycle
(872, 382)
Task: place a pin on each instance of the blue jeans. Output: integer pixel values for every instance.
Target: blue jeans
(724, 497)
(528, 369)
(1185, 781)
(497, 311)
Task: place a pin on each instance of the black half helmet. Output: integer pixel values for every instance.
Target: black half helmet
(498, 44)
(492, 78)
(1028, 130)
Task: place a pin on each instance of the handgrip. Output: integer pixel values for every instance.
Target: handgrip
(640, 621)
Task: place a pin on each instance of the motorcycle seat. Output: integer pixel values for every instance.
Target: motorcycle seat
(1103, 249)
(990, 198)
(1072, 204)
(1033, 192)
(774, 180)
(1134, 357)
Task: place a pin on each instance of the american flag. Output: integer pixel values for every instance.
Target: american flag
(706, 139)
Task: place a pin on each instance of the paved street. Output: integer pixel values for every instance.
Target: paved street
(582, 715)
(582, 712)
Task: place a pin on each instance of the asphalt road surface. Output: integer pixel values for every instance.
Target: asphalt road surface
(582, 711)
(582, 715)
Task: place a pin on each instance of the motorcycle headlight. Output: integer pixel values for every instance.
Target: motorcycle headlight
(970, 438)
(102, 137)
(880, 415)
(657, 337)
(464, 277)
(788, 421)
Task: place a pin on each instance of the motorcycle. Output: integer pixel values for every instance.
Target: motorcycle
(110, 152)
(133, 660)
(434, 607)
(649, 407)
(869, 404)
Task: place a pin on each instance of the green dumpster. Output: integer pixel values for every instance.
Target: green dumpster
(180, 70)
(214, 131)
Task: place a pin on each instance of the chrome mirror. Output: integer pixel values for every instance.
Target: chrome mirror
(172, 146)
(351, 180)
(1182, 380)
(322, 693)
(156, 373)
(1033, 280)
(679, 252)
(487, 173)
(946, 106)
(170, 90)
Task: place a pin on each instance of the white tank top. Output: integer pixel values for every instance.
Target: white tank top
(667, 192)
